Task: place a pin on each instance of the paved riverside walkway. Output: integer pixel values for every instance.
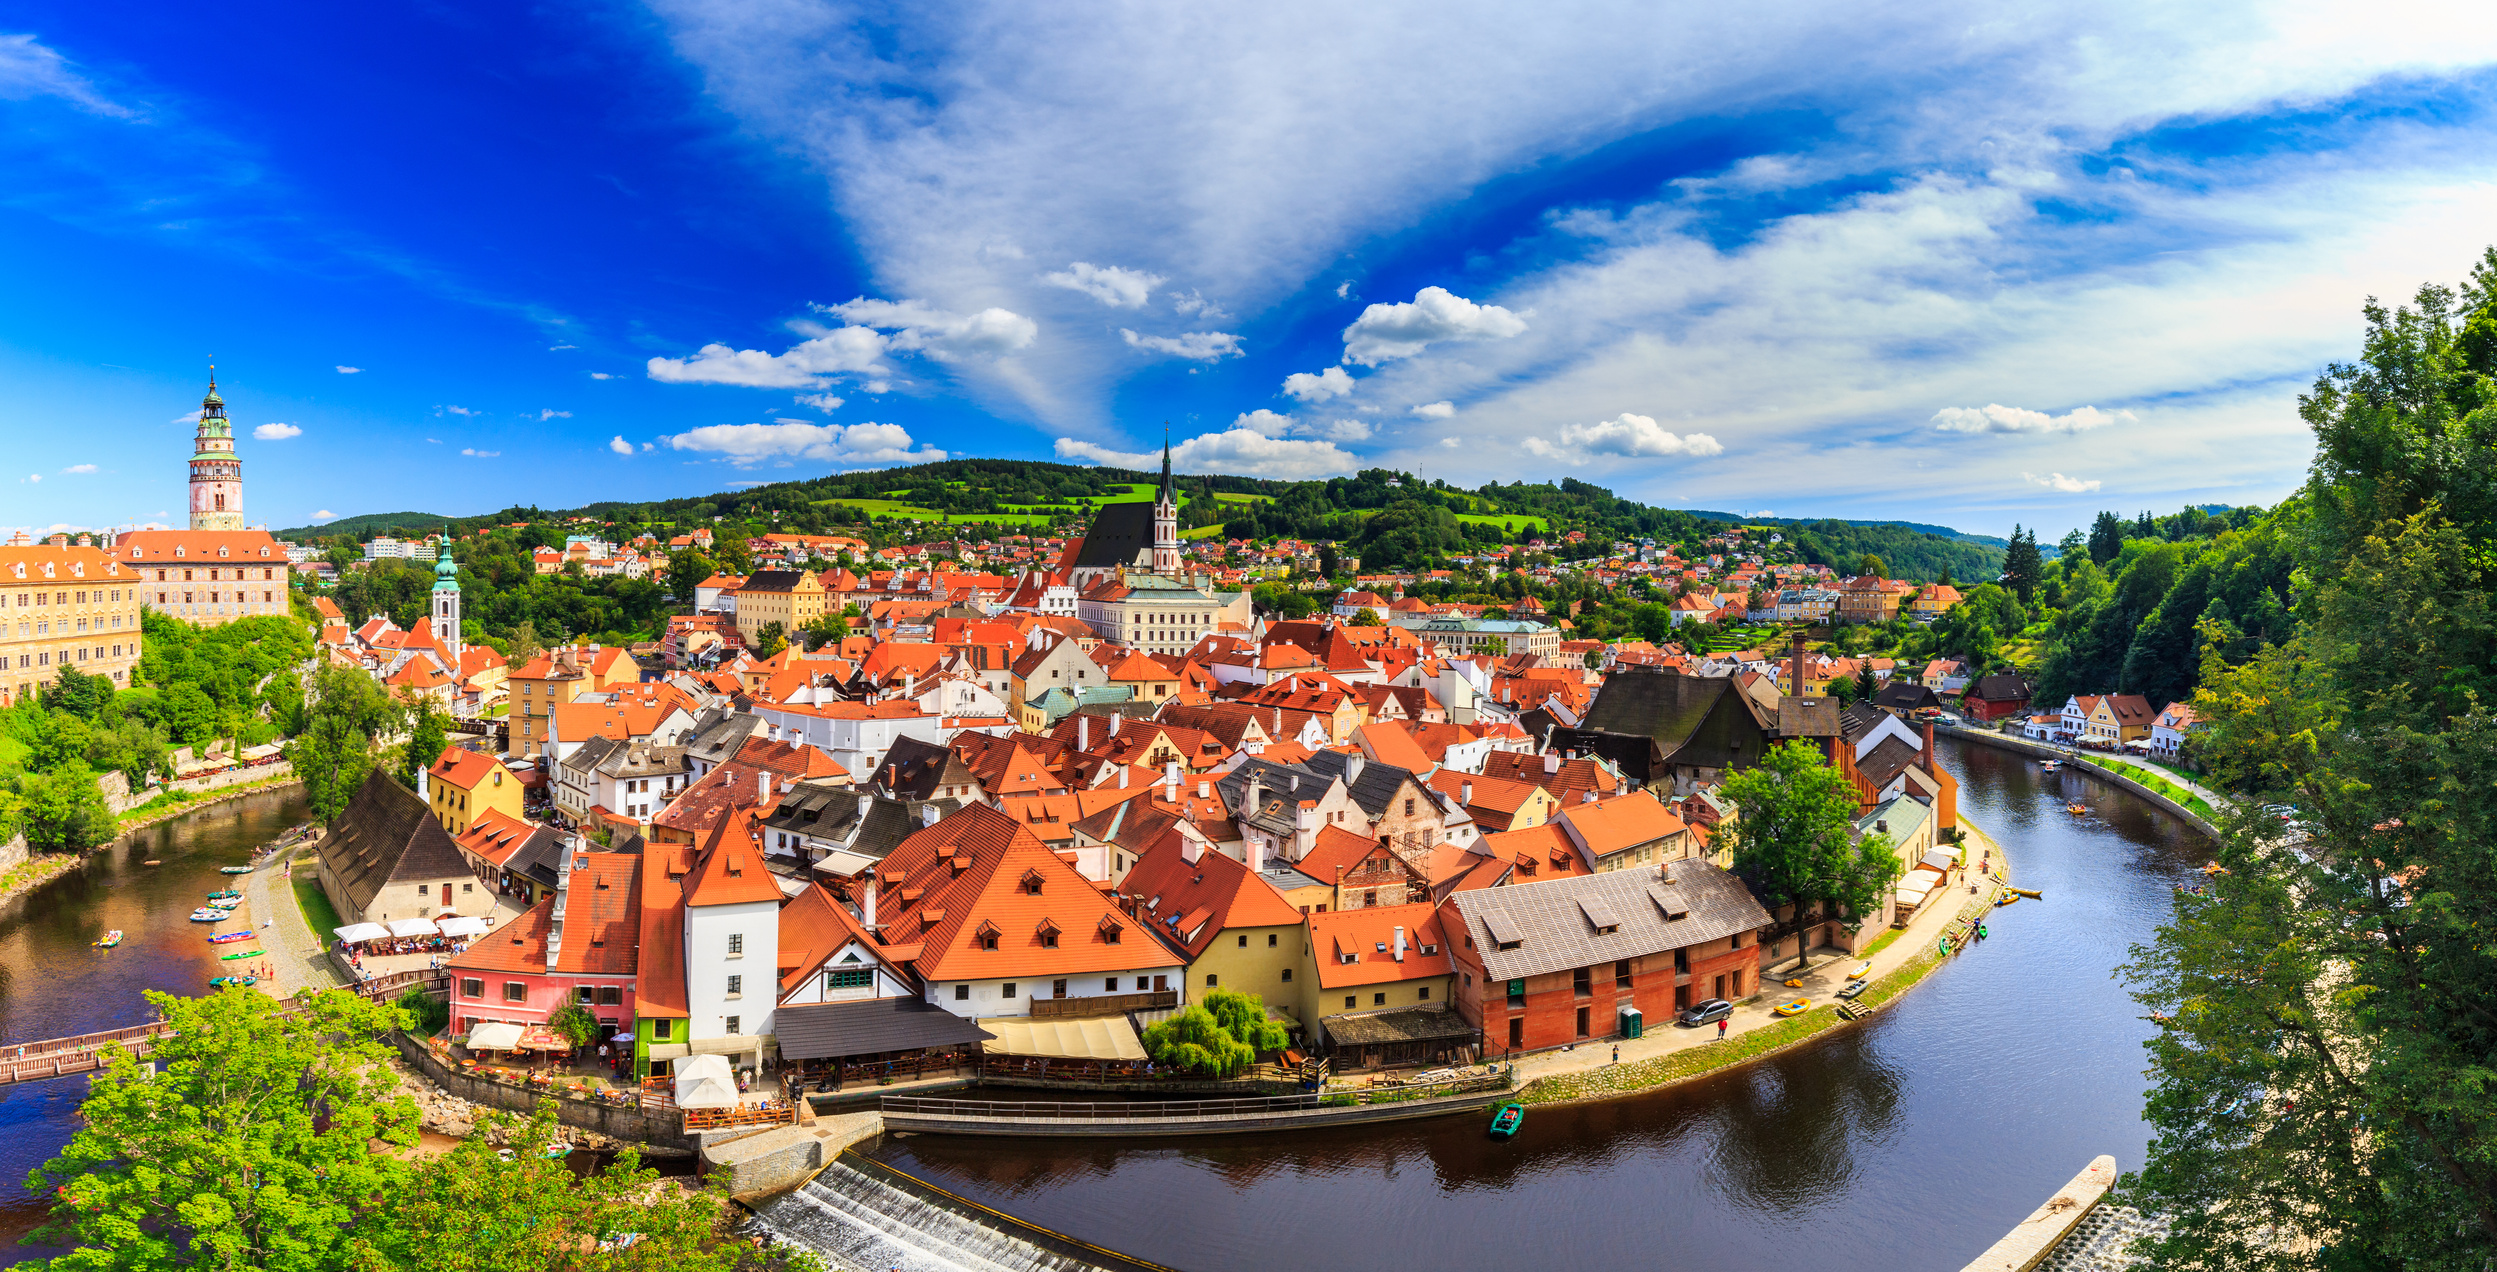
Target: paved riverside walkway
(293, 954)
(1820, 984)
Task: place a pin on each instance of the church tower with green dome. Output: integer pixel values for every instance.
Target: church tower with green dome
(216, 474)
(446, 600)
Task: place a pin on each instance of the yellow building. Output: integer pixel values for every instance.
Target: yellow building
(556, 677)
(465, 784)
(1239, 932)
(65, 604)
(791, 598)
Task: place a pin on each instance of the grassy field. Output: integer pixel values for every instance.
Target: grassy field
(1509, 523)
(896, 508)
(316, 908)
(1203, 532)
(2150, 778)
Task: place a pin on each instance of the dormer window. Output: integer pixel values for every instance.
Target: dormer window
(986, 934)
(1031, 883)
(1048, 934)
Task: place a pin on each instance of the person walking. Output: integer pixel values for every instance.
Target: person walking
(1616, 1053)
(1720, 1029)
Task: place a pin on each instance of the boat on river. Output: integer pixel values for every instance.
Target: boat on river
(234, 870)
(209, 914)
(228, 938)
(1505, 1122)
(2077, 810)
(221, 981)
(219, 898)
(109, 940)
(228, 958)
(2052, 766)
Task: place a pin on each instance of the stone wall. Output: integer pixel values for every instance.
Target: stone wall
(12, 853)
(2073, 765)
(629, 1122)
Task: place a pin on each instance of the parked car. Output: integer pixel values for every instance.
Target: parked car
(1704, 1013)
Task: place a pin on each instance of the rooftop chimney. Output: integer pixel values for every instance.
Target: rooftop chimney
(1400, 943)
(1551, 762)
(1465, 792)
(865, 802)
(1083, 733)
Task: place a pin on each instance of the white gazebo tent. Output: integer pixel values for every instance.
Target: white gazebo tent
(494, 1035)
(413, 927)
(462, 925)
(705, 1082)
(355, 932)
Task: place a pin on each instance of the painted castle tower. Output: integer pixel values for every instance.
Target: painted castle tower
(216, 474)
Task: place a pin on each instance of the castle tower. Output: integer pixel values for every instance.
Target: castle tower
(446, 600)
(1166, 521)
(216, 475)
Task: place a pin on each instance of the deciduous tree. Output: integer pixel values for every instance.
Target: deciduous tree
(1794, 843)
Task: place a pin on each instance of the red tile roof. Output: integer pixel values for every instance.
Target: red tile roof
(1360, 933)
(975, 873)
(1228, 894)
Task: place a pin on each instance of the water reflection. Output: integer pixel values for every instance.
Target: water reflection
(1912, 1142)
(54, 982)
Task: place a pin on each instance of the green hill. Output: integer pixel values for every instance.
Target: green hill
(371, 523)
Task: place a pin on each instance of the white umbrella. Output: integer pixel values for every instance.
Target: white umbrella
(705, 1082)
(355, 932)
(413, 927)
(464, 925)
(495, 1035)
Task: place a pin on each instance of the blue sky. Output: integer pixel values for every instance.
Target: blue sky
(1957, 262)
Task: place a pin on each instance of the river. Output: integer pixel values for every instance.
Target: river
(53, 982)
(1912, 1142)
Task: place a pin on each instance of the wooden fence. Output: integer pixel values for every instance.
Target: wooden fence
(1103, 1004)
(716, 1119)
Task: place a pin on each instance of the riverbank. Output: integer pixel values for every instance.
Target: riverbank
(166, 807)
(34, 872)
(1673, 1055)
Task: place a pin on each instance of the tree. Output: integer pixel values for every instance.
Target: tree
(1654, 623)
(1795, 845)
(770, 640)
(65, 811)
(335, 750)
(1367, 617)
(2022, 565)
(425, 743)
(575, 1022)
(1843, 688)
(252, 1147)
(1218, 1037)
(1871, 566)
(2106, 541)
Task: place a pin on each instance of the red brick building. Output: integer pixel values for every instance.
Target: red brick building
(1547, 964)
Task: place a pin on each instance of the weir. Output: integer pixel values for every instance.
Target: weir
(858, 1212)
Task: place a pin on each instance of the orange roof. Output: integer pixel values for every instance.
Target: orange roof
(791, 760)
(1624, 821)
(1392, 744)
(730, 870)
(659, 989)
(814, 927)
(1539, 851)
(978, 875)
(1336, 847)
(1498, 796)
(463, 769)
(495, 835)
(581, 721)
(1228, 894)
(1368, 936)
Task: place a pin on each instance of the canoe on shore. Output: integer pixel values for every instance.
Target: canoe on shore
(234, 870)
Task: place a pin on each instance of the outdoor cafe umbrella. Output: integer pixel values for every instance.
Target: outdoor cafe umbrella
(413, 927)
(463, 925)
(705, 1082)
(494, 1035)
(355, 932)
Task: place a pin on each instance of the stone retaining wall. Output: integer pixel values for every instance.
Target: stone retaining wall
(12, 853)
(1218, 1124)
(626, 1122)
(2075, 765)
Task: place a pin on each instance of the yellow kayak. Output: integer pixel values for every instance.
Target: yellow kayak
(1860, 971)
(1794, 1007)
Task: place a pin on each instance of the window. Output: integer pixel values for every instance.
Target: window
(988, 940)
(1580, 982)
(731, 1025)
(1378, 999)
(658, 1029)
(1057, 989)
(736, 944)
(850, 978)
(1008, 991)
(611, 996)
(1049, 939)
(1211, 980)
(515, 992)
(1621, 973)
(1351, 1001)
(1109, 985)
(1517, 992)
(1425, 994)
(736, 986)
(962, 993)
(1287, 974)
(586, 995)
(1408, 808)
(472, 988)
(1244, 940)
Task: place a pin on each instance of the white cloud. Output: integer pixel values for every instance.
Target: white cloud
(1434, 410)
(1195, 346)
(325, 515)
(1997, 418)
(1625, 436)
(30, 477)
(1109, 284)
(350, 370)
(1241, 452)
(1386, 332)
(276, 432)
(646, 446)
(28, 69)
(825, 402)
(1194, 302)
(560, 348)
(1340, 430)
(1307, 386)
(1266, 423)
(433, 441)
(1452, 443)
(601, 375)
(918, 327)
(481, 454)
(746, 444)
(80, 468)
(2057, 481)
(552, 414)
(878, 386)
(843, 349)
(455, 410)
(619, 445)
(1343, 290)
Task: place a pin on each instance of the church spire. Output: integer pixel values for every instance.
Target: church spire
(1166, 491)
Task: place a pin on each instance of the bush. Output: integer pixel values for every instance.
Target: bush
(426, 1013)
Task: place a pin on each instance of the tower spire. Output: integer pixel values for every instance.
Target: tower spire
(1166, 491)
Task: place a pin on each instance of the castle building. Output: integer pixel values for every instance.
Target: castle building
(64, 604)
(218, 570)
(216, 473)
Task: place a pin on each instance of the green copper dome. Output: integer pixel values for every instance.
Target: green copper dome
(446, 570)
